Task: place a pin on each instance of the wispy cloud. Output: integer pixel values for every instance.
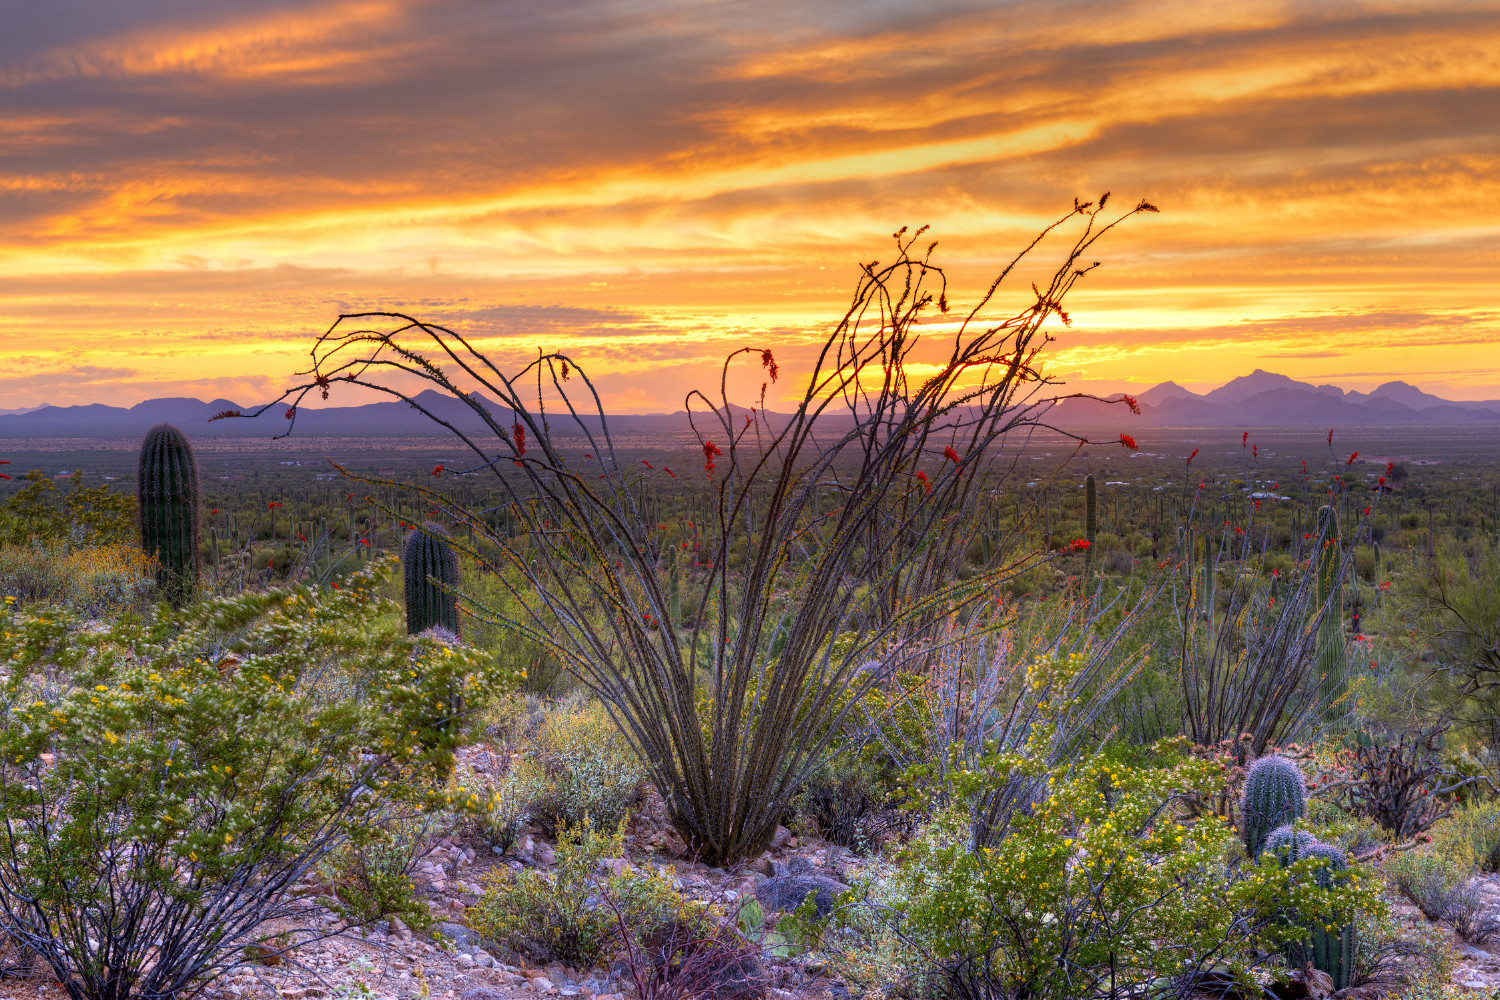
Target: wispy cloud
(649, 181)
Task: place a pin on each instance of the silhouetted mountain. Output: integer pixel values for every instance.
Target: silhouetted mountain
(1266, 399)
(1260, 399)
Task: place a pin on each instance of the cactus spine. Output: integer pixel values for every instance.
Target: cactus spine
(430, 571)
(1275, 795)
(168, 496)
(1090, 523)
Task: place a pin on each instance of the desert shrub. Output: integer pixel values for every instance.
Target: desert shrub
(83, 517)
(1355, 834)
(561, 915)
(167, 780)
(1472, 830)
(372, 875)
(846, 803)
(92, 579)
(1475, 919)
(590, 774)
(695, 956)
(1098, 886)
(499, 808)
(1429, 879)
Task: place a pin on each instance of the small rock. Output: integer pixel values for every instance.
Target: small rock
(483, 959)
(399, 929)
(1469, 951)
(496, 849)
(541, 984)
(762, 865)
(458, 934)
(544, 855)
(781, 837)
(464, 961)
(485, 993)
(456, 905)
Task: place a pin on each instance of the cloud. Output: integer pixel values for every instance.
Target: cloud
(651, 181)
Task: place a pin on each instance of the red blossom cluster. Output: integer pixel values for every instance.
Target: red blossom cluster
(1133, 403)
(1128, 441)
(710, 450)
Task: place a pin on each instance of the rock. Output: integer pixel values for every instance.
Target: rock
(399, 929)
(781, 837)
(485, 993)
(541, 984)
(1469, 951)
(786, 892)
(464, 961)
(544, 855)
(762, 866)
(483, 959)
(458, 934)
(456, 905)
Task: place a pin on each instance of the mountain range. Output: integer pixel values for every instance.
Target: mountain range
(1260, 399)
(1266, 399)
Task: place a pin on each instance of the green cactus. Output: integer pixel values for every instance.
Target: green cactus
(1090, 523)
(1330, 948)
(430, 571)
(1332, 650)
(167, 491)
(1289, 844)
(1275, 795)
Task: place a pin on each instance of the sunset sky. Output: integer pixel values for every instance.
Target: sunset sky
(190, 191)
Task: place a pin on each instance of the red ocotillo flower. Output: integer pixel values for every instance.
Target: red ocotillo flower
(291, 411)
(1133, 403)
(769, 363)
(950, 454)
(1352, 458)
(709, 451)
(273, 504)
(1330, 437)
(648, 465)
(1255, 451)
(1128, 441)
(1080, 544)
(437, 472)
(669, 472)
(520, 432)
(1243, 438)
(1192, 456)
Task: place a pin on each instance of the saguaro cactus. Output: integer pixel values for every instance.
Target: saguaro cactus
(430, 570)
(167, 491)
(1090, 523)
(1275, 795)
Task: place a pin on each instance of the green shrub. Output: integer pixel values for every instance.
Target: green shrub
(1474, 831)
(559, 915)
(499, 809)
(1039, 914)
(372, 876)
(167, 780)
(92, 580)
(590, 773)
(1430, 879)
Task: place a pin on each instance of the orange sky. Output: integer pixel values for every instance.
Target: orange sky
(189, 191)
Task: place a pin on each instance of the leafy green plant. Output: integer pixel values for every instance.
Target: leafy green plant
(1429, 879)
(590, 773)
(1473, 830)
(372, 875)
(167, 780)
(558, 915)
(1102, 884)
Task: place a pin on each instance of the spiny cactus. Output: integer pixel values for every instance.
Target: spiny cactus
(1289, 844)
(430, 571)
(1090, 523)
(1275, 795)
(1330, 947)
(166, 485)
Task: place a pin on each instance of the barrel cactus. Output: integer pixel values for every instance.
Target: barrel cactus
(166, 485)
(1275, 795)
(430, 571)
(1289, 844)
(1330, 947)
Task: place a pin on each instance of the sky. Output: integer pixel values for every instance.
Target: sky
(191, 191)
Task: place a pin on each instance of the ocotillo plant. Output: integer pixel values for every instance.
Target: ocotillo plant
(729, 729)
(430, 571)
(1275, 795)
(167, 490)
